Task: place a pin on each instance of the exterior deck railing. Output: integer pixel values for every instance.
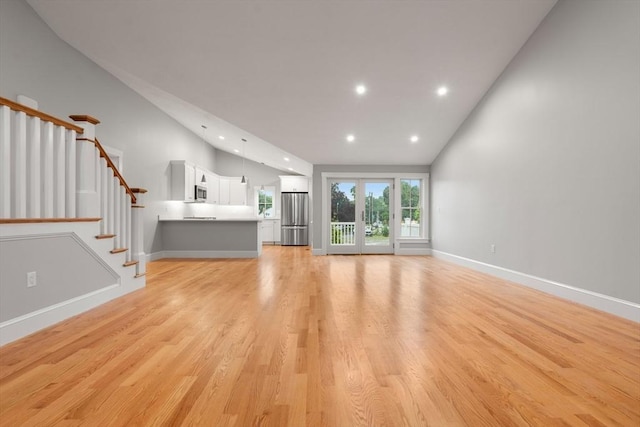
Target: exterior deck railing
(343, 233)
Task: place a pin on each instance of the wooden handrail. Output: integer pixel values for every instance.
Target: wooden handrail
(116, 172)
(35, 113)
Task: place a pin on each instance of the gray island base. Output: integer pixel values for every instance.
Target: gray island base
(211, 238)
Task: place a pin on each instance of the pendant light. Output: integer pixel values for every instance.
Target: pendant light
(203, 180)
(243, 180)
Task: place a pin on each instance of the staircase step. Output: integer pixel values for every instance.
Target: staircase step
(105, 236)
(119, 250)
(129, 263)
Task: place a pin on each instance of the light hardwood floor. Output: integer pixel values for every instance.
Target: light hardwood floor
(292, 340)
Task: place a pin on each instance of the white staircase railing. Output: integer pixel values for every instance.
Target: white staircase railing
(37, 163)
(52, 170)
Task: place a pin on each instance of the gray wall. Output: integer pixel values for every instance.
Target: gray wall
(547, 167)
(363, 169)
(65, 269)
(36, 63)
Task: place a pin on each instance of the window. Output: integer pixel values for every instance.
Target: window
(410, 207)
(265, 202)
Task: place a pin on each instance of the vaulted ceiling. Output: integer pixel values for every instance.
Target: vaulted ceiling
(282, 74)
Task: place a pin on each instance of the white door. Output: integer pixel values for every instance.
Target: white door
(359, 216)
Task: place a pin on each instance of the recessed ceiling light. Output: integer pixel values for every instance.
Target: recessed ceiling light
(351, 138)
(442, 91)
(414, 138)
(290, 169)
(361, 89)
(286, 159)
(221, 137)
(235, 150)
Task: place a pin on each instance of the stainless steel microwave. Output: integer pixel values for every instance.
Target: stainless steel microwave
(201, 193)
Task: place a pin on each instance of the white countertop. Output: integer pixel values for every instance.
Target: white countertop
(209, 219)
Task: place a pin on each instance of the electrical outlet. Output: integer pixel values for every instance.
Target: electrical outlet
(32, 279)
(493, 249)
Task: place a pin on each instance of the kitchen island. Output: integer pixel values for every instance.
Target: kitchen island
(208, 237)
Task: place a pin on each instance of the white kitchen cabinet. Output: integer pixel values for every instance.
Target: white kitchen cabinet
(213, 188)
(276, 231)
(221, 190)
(266, 231)
(200, 174)
(270, 231)
(237, 192)
(224, 191)
(232, 191)
(183, 180)
(293, 183)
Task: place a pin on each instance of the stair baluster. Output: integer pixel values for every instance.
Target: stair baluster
(33, 167)
(19, 161)
(58, 172)
(46, 143)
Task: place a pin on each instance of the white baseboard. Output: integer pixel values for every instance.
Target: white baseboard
(627, 309)
(29, 323)
(413, 251)
(320, 251)
(203, 254)
(155, 256)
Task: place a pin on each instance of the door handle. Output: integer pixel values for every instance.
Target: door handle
(363, 215)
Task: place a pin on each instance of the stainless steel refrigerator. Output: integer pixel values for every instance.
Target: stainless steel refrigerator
(295, 219)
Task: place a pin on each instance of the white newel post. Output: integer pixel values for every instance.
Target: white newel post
(127, 232)
(87, 196)
(104, 196)
(137, 231)
(115, 183)
(5, 162)
(111, 200)
(122, 213)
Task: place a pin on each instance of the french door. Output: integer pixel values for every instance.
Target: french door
(359, 216)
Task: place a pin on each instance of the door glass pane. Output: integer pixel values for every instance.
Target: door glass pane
(343, 213)
(376, 213)
(410, 207)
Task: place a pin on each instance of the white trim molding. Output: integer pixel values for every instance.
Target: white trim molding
(29, 323)
(412, 251)
(619, 307)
